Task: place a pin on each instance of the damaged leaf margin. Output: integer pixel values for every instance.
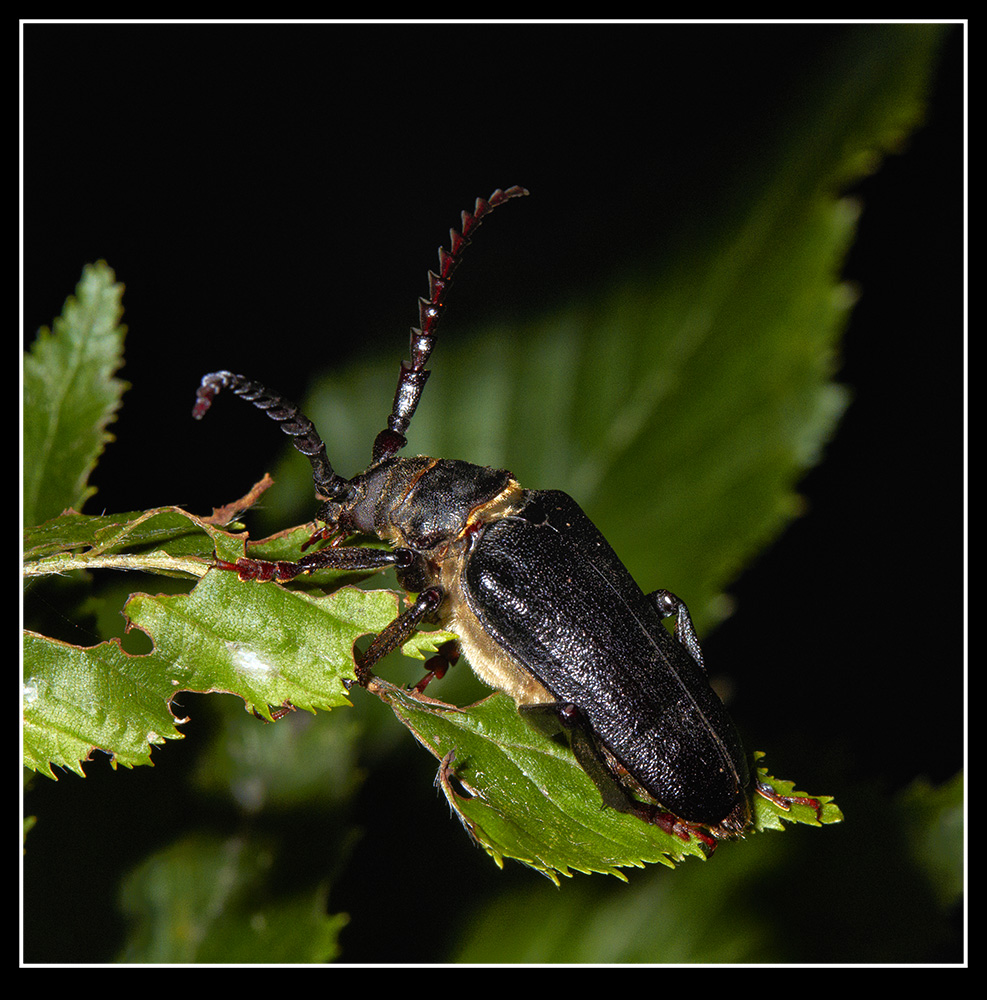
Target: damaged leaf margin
(265, 643)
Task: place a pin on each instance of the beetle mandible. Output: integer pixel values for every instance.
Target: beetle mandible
(542, 605)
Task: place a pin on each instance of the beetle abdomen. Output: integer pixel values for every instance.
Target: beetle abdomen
(586, 631)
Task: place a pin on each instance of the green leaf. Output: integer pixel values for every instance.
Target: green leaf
(71, 396)
(76, 699)
(165, 540)
(770, 815)
(209, 900)
(522, 795)
(266, 644)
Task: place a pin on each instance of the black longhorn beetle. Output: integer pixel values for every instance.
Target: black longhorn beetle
(542, 606)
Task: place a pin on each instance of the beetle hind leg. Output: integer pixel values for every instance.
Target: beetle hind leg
(667, 604)
(555, 718)
(787, 801)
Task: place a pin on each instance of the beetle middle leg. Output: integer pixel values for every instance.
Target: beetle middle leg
(398, 632)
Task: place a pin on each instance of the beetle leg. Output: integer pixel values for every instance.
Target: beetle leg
(787, 801)
(329, 558)
(277, 713)
(558, 717)
(398, 632)
(555, 717)
(667, 604)
(675, 826)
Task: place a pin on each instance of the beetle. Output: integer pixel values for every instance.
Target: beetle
(542, 606)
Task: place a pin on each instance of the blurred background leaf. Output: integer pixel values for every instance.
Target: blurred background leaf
(204, 900)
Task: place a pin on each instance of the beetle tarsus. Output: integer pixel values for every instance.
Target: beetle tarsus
(446, 656)
(277, 712)
(673, 826)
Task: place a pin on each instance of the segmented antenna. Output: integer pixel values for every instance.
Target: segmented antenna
(413, 375)
(292, 421)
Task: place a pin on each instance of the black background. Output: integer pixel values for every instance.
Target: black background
(236, 176)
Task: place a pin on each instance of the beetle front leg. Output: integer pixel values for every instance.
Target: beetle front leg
(280, 571)
(667, 604)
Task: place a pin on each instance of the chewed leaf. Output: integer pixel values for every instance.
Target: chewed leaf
(76, 699)
(262, 642)
(165, 539)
